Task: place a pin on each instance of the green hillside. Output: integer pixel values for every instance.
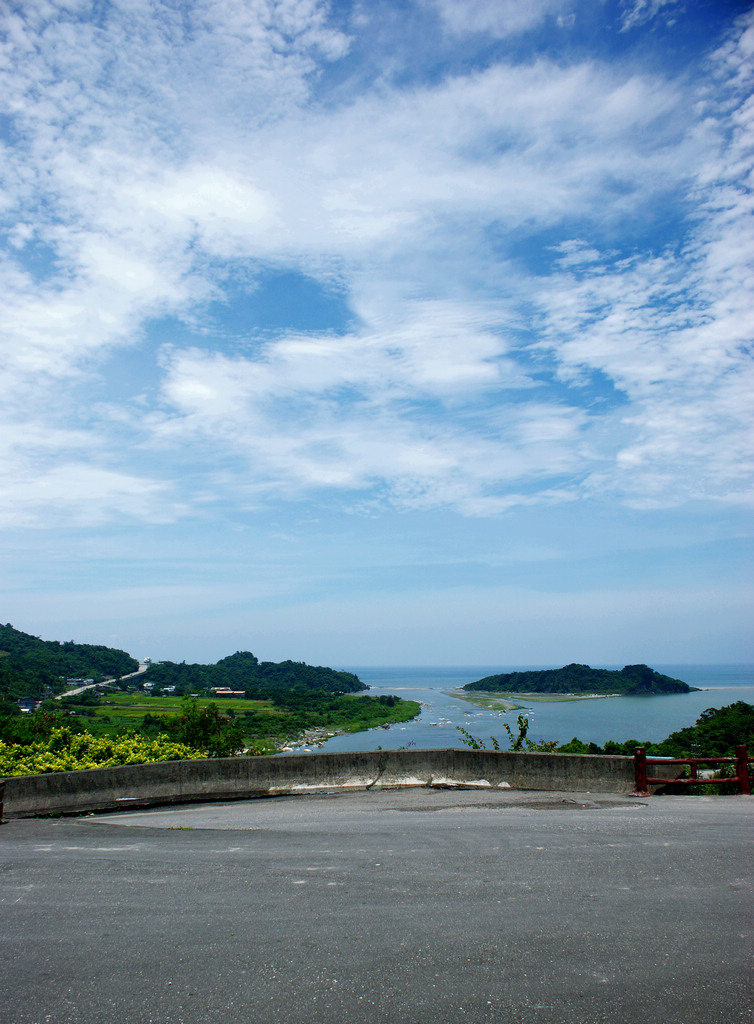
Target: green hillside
(243, 671)
(183, 712)
(31, 667)
(633, 680)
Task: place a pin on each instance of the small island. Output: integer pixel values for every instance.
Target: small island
(632, 680)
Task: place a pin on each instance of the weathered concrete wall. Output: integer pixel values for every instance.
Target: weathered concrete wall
(235, 778)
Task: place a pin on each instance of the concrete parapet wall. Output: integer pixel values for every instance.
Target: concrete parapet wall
(237, 778)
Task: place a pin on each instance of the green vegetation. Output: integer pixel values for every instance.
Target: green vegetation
(280, 720)
(717, 733)
(179, 715)
(30, 667)
(633, 680)
(62, 750)
(89, 731)
(266, 725)
(519, 742)
(243, 671)
(52, 740)
(491, 701)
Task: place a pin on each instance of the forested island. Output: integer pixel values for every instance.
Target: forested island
(632, 680)
(127, 714)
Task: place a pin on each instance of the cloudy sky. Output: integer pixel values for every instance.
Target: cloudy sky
(381, 332)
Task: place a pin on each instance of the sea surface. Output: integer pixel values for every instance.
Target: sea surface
(593, 720)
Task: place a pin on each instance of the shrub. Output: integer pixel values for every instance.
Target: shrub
(64, 751)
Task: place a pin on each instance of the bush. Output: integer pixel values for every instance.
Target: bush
(66, 751)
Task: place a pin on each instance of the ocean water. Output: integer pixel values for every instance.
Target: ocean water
(595, 720)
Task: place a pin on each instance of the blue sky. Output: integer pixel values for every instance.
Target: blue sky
(379, 333)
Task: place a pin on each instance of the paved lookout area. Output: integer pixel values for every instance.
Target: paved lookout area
(411, 907)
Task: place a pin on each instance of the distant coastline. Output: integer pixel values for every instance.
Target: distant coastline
(445, 705)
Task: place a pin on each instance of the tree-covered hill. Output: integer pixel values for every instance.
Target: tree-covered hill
(243, 671)
(633, 680)
(716, 734)
(30, 666)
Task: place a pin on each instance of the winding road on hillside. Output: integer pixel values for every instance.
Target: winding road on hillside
(89, 686)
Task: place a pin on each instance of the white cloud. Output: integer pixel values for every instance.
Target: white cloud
(152, 153)
(639, 12)
(78, 494)
(351, 413)
(502, 18)
(674, 333)
(50, 473)
(133, 229)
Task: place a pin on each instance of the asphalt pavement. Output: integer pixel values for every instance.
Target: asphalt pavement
(411, 907)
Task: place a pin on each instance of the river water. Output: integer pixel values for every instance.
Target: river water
(594, 720)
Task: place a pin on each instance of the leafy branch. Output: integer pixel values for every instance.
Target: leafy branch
(519, 742)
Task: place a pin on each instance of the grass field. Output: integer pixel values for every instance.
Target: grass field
(267, 727)
(136, 705)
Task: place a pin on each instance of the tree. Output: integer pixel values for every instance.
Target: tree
(206, 729)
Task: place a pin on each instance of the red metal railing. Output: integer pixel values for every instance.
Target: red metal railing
(642, 780)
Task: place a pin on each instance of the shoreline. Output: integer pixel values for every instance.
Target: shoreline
(497, 701)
